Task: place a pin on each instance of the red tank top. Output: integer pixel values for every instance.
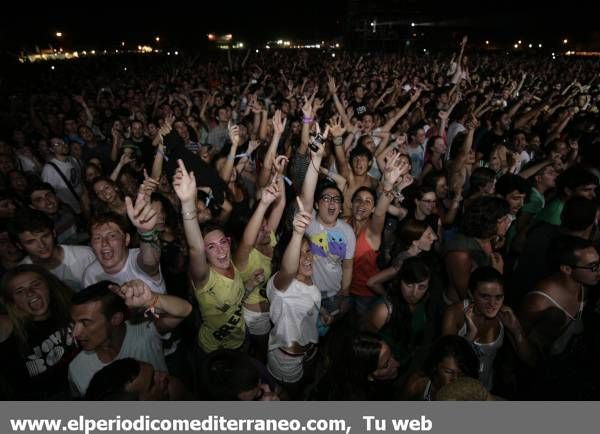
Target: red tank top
(365, 266)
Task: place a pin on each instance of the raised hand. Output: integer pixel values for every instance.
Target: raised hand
(331, 86)
(443, 115)
(135, 293)
(335, 127)
(125, 159)
(278, 124)
(150, 185)
(141, 214)
(280, 163)
(234, 134)
(253, 146)
(302, 219)
(270, 193)
(184, 184)
(307, 108)
(415, 96)
(470, 320)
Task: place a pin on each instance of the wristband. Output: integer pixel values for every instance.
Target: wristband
(306, 120)
(245, 154)
(337, 141)
(149, 237)
(287, 180)
(230, 158)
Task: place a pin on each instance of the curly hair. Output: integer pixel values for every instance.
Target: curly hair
(482, 215)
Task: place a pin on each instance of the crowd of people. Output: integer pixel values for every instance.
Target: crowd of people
(301, 226)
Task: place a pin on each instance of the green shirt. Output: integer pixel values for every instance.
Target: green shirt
(535, 202)
(551, 213)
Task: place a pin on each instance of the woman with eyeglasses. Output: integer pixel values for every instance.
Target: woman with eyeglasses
(36, 340)
(484, 320)
(216, 282)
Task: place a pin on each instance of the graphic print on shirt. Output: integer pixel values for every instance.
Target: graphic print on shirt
(329, 244)
(48, 353)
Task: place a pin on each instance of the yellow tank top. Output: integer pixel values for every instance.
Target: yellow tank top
(257, 260)
(220, 301)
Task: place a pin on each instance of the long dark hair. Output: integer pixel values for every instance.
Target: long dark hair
(353, 360)
(414, 270)
(59, 306)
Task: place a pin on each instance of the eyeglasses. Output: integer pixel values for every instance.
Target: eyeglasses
(593, 267)
(224, 242)
(428, 201)
(327, 198)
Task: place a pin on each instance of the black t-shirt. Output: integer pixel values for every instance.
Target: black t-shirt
(39, 372)
(488, 142)
(360, 107)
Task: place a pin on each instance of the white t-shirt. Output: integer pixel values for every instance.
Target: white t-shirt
(72, 171)
(142, 342)
(95, 273)
(294, 313)
(70, 271)
(330, 246)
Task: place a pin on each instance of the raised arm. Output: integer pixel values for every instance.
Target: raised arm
(184, 185)
(269, 195)
(168, 310)
(394, 170)
(338, 105)
(144, 218)
(234, 136)
(312, 176)
(392, 121)
(291, 257)
(265, 173)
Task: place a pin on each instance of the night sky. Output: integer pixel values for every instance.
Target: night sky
(185, 24)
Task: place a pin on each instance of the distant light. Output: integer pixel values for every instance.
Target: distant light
(530, 45)
(228, 37)
(539, 45)
(487, 42)
(337, 45)
(412, 24)
(93, 51)
(117, 51)
(424, 50)
(157, 39)
(565, 41)
(125, 69)
(332, 54)
(372, 24)
(267, 47)
(123, 44)
(139, 47)
(84, 52)
(52, 67)
(553, 54)
(519, 42)
(177, 53)
(257, 50)
(58, 34)
(211, 37)
(279, 42)
(516, 45)
(318, 46)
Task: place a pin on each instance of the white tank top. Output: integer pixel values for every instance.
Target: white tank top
(486, 352)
